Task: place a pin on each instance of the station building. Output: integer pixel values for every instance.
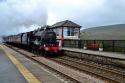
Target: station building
(66, 30)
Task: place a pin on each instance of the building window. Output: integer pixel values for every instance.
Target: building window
(68, 32)
(76, 31)
(65, 31)
(72, 32)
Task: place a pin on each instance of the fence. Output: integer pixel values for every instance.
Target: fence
(108, 45)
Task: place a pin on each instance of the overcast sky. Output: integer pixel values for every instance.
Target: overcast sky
(24, 15)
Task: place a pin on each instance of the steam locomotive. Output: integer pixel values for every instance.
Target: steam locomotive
(41, 41)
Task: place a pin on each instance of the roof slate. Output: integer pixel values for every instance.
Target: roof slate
(65, 23)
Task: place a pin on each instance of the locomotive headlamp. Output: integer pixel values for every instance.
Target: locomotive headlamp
(44, 45)
(46, 48)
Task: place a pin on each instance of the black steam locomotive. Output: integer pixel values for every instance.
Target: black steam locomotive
(41, 41)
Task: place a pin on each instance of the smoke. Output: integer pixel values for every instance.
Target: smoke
(19, 15)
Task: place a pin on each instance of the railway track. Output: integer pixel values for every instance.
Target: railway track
(109, 67)
(100, 71)
(103, 72)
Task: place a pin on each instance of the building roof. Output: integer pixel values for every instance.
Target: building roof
(65, 23)
(110, 32)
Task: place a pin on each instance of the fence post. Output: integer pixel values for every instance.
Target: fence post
(79, 43)
(124, 47)
(103, 44)
(113, 45)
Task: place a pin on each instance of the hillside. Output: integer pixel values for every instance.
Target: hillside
(111, 32)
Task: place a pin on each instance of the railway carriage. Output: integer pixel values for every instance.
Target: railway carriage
(40, 41)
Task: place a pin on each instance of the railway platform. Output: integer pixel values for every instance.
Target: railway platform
(16, 68)
(98, 53)
(8, 71)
